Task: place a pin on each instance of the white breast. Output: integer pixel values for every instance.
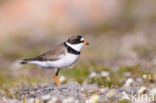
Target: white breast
(65, 61)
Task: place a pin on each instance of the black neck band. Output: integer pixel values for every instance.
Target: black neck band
(71, 50)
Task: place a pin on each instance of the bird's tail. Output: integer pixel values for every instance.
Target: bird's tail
(25, 61)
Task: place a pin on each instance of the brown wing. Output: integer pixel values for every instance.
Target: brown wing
(50, 55)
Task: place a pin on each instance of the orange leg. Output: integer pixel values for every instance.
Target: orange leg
(56, 79)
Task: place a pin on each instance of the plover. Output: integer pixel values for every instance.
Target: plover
(64, 55)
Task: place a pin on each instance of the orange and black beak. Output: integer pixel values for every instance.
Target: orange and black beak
(85, 43)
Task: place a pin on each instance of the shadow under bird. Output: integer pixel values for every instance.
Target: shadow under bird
(64, 55)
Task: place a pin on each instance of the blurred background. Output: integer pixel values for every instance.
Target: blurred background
(121, 33)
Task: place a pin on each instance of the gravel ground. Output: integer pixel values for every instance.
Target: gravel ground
(71, 89)
(72, 92)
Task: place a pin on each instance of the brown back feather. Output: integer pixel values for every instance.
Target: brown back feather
(51, 55)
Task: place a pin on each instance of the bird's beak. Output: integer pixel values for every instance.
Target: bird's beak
(85, 43)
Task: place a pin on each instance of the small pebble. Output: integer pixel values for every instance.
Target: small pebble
(142, 90)
(129, 82)
(53, 100)
(68, 100)
(105, 74)
(62, 79)
(31, 100)
(111, 93)
(93, 99)
(92, 75)
(46, 97)
(144, 76)
(37, 100)
(153, 91)
(102, 90)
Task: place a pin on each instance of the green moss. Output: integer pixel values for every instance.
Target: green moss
(135, 70)
(78, 73)
(124, 101)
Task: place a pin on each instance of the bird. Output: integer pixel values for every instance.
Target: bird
(62, 56)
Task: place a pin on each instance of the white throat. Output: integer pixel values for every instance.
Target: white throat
(76, 47)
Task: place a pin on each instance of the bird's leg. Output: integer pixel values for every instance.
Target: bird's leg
(55, 76)
(56, 79)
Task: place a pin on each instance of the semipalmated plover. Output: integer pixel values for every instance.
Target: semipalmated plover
(64, 55)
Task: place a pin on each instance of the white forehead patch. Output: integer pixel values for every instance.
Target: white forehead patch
(82, 39)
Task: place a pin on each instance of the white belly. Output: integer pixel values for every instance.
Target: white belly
(65, 61)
